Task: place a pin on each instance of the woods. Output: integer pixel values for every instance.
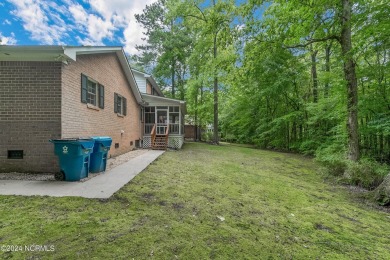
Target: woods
(304, 76)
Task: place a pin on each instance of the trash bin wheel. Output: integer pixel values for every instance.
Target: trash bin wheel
(59, 176)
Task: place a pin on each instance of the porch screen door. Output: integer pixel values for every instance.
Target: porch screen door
(162, 121)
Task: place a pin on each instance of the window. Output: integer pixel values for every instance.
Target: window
(173, 109)
(150, 119)
(174, 120)
(120, 104)
(92, 92)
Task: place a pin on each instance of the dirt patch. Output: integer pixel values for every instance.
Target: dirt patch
(322, 227)
(349, 218)
(162, 203)
(147, 196)
(177, 206)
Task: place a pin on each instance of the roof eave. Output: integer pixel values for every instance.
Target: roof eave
(154, 83)
(181, 103)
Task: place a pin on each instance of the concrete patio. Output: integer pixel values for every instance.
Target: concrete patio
(101, 186)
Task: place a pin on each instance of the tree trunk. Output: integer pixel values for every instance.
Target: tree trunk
(173, 78)
(200, 118)
(288, 136)
(196, 116)
(215, 139)
(350, 77)
(327, 68)
(381, 146)
(314, 75)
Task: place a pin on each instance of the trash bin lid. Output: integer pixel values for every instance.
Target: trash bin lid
(101, 138)
(86, 143)
(104, 140)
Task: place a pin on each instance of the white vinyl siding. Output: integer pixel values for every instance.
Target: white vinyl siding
(141, 81)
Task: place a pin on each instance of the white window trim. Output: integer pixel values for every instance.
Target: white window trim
(96, 93)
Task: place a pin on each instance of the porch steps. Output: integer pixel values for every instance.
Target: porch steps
(160, 143)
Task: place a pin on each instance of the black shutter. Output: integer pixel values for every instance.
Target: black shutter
(101, 96)
(115, 103)
(84, 88)
(124, 106)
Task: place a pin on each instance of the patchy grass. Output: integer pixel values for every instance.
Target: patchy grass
(219, 202)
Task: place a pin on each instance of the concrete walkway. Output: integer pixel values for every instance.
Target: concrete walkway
(101, 186)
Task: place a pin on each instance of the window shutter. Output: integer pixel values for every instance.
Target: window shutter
(101, 96)
(124, 100)
(84, 88)
(115, 103)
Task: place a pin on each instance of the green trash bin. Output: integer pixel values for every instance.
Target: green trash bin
(99, 154)
(74, 157)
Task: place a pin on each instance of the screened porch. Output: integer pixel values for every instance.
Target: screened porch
(163, 117)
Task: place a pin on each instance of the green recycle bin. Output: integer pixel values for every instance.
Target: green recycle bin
(74, 157)
(100, 153)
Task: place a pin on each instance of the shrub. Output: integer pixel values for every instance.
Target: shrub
(382, 193)
(207, 136)
(366, 173)
(333, 159)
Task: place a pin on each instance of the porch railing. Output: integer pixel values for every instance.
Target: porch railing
(148, 128)
(159, 140)
(153, 134)
(161, 129)
(166, 135)
(174, 128)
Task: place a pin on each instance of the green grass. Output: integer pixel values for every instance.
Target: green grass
(275, 205)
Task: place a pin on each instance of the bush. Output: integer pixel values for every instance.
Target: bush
(207, 136)
(333, 159)
(366, 173)
(382, 193)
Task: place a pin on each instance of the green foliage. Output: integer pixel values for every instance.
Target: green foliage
(366, 173)
(168, 44)
(207, 136)
(333, 158)
(270, 102)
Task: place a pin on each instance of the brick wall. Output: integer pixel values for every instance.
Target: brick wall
(30, 110)
(80, 120)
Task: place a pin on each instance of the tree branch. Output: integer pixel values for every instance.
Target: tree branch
(204, 17)
(310, 41)
(194, 16)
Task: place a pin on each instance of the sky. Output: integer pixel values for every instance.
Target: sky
(72, 22)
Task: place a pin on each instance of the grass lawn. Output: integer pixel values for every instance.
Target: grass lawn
(202, 202)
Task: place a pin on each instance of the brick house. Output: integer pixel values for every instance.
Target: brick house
(51, 92)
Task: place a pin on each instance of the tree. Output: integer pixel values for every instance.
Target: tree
(323, 21)
(167, 46)
(212, 23)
